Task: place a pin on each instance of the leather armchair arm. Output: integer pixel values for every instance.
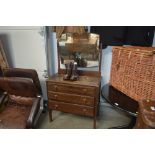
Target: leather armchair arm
(36, 110)
(2, 98)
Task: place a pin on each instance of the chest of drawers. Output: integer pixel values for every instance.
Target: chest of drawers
(77, 97)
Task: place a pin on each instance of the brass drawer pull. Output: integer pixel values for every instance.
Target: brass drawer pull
(84, 110)
(84, 100)
(55, 87)
(55, 96)
(84, 90)
(56, 106)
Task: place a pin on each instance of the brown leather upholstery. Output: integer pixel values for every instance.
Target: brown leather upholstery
(1, 91)
(146, 115)
(23, 103)
(18, 86)
(25, 73)
(1, 73)
(14, 117)
(20, 90)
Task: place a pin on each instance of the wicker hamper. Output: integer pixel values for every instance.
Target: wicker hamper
(133, 71)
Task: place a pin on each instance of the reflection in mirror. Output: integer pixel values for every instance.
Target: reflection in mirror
(83, 49)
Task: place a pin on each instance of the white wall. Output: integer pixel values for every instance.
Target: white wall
(26, 48)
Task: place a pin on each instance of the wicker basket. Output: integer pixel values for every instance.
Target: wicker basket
(133, 71)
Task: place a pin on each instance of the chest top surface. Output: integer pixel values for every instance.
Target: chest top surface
(83, 80)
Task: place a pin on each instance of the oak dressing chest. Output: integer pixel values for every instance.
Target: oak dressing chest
(77, 97)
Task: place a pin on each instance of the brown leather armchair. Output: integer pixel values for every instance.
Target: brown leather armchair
(24, 105)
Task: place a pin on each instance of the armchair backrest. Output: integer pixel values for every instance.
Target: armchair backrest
(21, 91)
(23, 87)
(24, 73)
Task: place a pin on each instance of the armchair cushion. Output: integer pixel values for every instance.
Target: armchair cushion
(14, 117)
(19, 100)
(20, 90)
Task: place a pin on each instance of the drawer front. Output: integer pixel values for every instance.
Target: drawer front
(71, 98)
(71, 108)
(89, 91)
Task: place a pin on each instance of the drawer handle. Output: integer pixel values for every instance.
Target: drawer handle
(84, 90)
(55, 96)
(56, 106)
(84, 110)
(84, 99)
(55, 87)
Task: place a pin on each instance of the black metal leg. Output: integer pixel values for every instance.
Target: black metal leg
(44, 106)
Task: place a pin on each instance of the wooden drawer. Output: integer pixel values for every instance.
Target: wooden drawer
(71, 98)
(90, 91)
(71, 108)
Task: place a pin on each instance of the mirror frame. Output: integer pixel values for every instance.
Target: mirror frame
(82, 72)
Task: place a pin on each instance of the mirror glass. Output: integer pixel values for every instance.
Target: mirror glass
(83, 49)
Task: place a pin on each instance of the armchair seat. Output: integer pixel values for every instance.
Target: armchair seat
(14, 117)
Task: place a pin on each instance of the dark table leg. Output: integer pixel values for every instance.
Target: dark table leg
(94, 123)
(50, 115)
